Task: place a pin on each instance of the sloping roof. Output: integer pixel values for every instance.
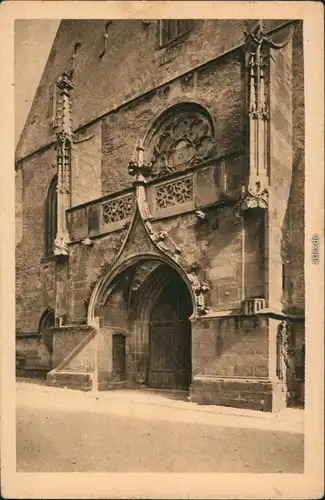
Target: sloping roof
(37, 130)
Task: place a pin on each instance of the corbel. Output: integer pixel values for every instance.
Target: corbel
(201, 217)
(87, 242)
(147, 22)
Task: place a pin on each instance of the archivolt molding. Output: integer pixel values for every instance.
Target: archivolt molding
(176, 105)
(103, 287)
(144, 303)
(142, 272)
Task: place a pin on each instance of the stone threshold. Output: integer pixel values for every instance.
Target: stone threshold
(144, 405)
(137, 396)
(289, 414)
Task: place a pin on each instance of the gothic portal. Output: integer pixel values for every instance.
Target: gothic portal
(171, 201)
(146, 328)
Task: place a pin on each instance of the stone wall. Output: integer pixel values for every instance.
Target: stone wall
(254, 256)
(233, 362)
(230, 347)
(219, 87)
(84, 361)
(280, 166)
(286, 239)
(85, 268)
(18, 205)
(295, 295)
(139, 65)
(35, 280)
(217, 246)
(65, 340)
(86, 165)
(238, 393)
(27, 344)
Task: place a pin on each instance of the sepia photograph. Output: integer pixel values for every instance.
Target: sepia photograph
(160, 276)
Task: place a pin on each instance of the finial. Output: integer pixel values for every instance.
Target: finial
(137, 166)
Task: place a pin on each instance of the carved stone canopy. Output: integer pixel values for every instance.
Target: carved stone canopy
(254, 199)
(64, 82)
(61, 245)
(258, 35)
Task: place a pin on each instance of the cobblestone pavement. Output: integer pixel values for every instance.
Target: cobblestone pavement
(61, 430)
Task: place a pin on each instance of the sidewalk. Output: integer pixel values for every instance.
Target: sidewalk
(153, 406)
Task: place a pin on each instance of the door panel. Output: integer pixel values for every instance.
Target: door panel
(184, 355)
(170, 339)
(118, 357)
(162, 355)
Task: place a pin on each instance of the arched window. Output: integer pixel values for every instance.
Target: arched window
(185, 137)
(51, 206)
(44, 328)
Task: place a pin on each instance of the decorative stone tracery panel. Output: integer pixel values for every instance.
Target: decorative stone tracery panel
(174, 193)
(183, 141)
(117, 210)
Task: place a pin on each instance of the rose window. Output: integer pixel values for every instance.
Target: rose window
(184, 141)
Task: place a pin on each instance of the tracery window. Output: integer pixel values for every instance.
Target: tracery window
(171, 29)
(51, 207)
(183, 141)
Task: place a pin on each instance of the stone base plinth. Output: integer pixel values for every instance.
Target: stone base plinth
(72, 380)
(250, 393)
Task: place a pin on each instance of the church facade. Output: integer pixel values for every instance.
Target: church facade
(160, 211)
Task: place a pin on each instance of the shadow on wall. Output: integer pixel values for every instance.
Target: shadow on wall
(231, 346)
(292, 245)
(241, 348)
(294, 222)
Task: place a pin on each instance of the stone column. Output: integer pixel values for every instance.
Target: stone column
(269, 107)
(64, 148)
(234, 358)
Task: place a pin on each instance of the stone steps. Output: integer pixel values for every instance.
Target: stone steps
(34, 372)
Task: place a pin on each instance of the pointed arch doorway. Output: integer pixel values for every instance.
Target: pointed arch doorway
(150, 303)
(169, 329)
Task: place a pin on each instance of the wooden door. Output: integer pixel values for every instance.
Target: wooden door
(118, 357)
(170, 339)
